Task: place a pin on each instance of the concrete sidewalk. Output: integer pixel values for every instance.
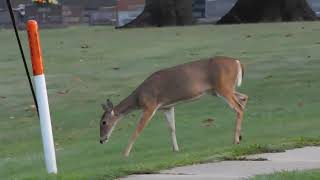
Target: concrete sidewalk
(297, 159)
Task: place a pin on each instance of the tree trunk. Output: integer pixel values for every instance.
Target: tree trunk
(164, 13)
(253, 11)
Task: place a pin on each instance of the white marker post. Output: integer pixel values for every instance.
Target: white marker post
(42, 97)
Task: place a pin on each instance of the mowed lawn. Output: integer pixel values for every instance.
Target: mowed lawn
(291, 175)
(86, 65)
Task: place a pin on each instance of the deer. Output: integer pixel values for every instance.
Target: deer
(162, 90)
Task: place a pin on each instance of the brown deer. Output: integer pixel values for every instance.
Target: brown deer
(163, 89)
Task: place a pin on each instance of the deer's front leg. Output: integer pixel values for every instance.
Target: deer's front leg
(146, 117)
(172, 126)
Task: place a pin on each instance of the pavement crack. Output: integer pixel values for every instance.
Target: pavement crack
(244, 159)
(181, 174)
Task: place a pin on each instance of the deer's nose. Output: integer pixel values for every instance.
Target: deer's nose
(101, 142)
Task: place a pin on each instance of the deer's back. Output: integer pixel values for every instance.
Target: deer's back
(183, 82)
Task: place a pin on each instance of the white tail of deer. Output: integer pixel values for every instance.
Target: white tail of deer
(163, 89)
(239, 77)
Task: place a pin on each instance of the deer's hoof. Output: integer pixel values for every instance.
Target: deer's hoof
(126, 155)
(237, 141)
(175, 150)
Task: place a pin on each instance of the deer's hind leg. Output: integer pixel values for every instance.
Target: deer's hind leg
(233, 100)
(242, 98)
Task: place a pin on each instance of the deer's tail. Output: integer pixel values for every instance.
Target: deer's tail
(240, 73)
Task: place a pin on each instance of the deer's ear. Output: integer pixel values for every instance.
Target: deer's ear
(109, 104)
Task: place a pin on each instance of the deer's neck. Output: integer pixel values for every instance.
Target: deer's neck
(126, 106)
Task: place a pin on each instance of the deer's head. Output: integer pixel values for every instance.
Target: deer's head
(108, 121)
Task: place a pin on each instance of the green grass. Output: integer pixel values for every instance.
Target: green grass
(291, 175)
(282, 81)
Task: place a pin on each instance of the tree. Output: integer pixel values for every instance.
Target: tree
(164, 13)
(252, 11)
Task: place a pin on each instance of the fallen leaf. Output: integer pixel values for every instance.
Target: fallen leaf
(31, 108)
(84, 46)
(77, 79)
(208, 122)
(289, 35)
(63, 91)
(300, 104)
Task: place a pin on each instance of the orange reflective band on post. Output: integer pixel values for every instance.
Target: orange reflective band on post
(35, 48)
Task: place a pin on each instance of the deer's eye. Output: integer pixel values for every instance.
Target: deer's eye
(103, 122)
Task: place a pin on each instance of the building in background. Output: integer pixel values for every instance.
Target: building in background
(128, 10)
(199, 8)
(106, 12)
(66, 12)
(315, 4)
(213, 9)
(92, 12)
(218, 8)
